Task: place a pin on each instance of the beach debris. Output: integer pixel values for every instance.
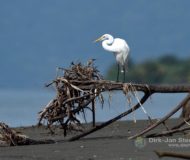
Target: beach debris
(10, 137)
(128, 89)
(72, 98)
(154, 125)
(104, 124)
(169, 132)
(81, 85)
(148, 91)
(78, 88)
(185, 110)
(161, 154)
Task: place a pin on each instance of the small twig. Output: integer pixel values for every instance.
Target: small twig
(49, 84)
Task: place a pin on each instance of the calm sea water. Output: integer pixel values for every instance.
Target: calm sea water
(20, 107)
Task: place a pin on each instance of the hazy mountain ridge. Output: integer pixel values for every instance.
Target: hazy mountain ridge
(167, 69)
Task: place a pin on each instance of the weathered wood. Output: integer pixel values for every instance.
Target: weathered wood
(161, 154)
(182, 123)
(179, 106)
(93, 114)
(168, 133)
(80, 86)
(71, 98)
(144, 98)
(112, 85)
(10, 137)
(186, 111)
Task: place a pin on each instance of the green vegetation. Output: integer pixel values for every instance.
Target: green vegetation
(166, 69)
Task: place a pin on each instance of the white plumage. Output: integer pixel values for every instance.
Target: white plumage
(119, 48)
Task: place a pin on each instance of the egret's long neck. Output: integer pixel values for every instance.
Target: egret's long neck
(107, 44)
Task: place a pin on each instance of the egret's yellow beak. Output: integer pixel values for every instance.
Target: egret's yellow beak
(99, 39)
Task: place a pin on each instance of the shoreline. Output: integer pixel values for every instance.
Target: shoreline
(109, 143)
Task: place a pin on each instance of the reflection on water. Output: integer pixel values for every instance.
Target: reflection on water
(20, 107)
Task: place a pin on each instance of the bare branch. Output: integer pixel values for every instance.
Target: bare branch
(163, 119)
(172, 154)
(167, 133)
(144, 98)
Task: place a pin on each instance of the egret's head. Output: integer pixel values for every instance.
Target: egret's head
(103, 37)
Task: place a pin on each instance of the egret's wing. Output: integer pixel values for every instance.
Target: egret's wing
(126, 54)
(123, 48)
(118, 45)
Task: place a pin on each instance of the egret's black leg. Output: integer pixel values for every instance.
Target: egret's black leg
(117, 72)
(124, 74)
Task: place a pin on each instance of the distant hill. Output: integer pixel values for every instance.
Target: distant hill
(37, 36)
(166, 69)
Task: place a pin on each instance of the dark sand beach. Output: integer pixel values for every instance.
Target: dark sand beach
(110, 143)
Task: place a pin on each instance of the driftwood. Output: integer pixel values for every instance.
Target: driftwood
(172, 154)
(185, 121)
(186, 110)
(176, 129)
(72, 99)
(168, 133)
(163, 119)
(81, 85)
(78, 89)
(145, 97)
(10, 137)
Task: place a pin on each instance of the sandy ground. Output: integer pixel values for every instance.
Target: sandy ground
(110, 143)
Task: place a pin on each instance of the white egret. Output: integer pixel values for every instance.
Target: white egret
(119, 48)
